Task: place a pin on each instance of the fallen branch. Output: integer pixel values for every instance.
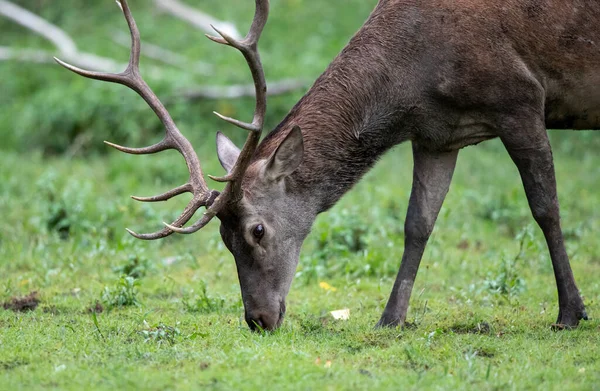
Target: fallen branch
(28, 19)
(197, 18)
(166, 56)
(69, 52)
(65, 45)
(241, 90)
(84, 60)
(25, 55)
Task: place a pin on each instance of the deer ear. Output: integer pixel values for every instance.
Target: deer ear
(287, 157)
(226, 151)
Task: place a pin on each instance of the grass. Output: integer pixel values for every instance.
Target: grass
(116, 313)
(178, 323)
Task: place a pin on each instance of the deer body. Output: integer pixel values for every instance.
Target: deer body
(450, 76)
(443, 74)
(446, 73)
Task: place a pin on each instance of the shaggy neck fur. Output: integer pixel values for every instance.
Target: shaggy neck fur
(349, 118)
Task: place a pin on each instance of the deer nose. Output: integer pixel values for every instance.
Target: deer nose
(255, 323)
(264, 321)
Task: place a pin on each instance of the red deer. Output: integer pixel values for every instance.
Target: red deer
(442, 74)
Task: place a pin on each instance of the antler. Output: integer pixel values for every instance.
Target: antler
(202, 196)
(249, 48)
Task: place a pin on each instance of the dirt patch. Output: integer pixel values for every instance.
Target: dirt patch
(50, 309)
(485, 352)
(9, 365)
(96, 309)
(478, 328)
(23, 304)
(463, 245)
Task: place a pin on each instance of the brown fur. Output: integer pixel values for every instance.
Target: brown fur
(443, 74)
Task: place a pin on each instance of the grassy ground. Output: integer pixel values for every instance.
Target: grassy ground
(481, 311)
(115, 313)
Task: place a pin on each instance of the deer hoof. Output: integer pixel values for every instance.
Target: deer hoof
(384, 322)
(569, 318)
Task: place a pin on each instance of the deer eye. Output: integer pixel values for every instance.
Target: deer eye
(258, 231)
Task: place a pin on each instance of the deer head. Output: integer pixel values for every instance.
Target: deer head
(252, 206)
(265, 229)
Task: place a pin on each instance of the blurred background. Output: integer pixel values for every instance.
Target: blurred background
(46, 109)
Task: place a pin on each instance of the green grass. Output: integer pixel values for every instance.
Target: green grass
(172, 316)
(181, 327)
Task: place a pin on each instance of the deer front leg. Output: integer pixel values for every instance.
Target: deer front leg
(533, 158)
(432, 174)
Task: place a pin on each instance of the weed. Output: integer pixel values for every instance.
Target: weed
(502, 210)
(123, 294)
(57, 218)
(345, 233)
(508, 282)
(97, 325)
(312, 324)
(10, 365)
(160, 333)
(96, 308)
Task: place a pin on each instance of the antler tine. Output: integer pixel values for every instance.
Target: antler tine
(159, 147)
(187, 188)
(187, 214)
(212, 200)
(219, 203)
(258, 23)
(225, 39)
(193, 228)
(239, 124)
(249, 48)
(103, 76)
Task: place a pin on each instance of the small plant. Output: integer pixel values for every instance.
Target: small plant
(203, 302)
(311, 324)
(124, 293)
(57, 217)
(507, 282)
(160, 333)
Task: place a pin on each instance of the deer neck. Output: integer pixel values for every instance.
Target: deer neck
(349, 118)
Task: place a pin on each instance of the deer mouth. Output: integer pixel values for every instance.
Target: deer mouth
(264, 321)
